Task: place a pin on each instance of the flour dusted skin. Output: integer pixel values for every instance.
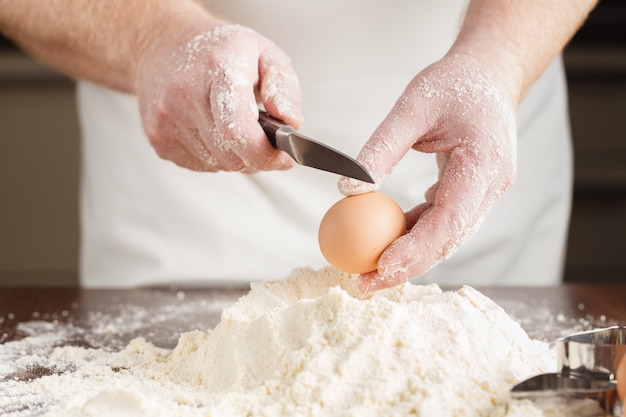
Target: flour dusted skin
(313, 345)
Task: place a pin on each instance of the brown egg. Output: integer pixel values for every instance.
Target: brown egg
(357, 229)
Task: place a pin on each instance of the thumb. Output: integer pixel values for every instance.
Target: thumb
(279, 87)
(391, 140)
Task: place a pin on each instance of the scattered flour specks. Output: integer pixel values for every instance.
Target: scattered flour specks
(308, 345)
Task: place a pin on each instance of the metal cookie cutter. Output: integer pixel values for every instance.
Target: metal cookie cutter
(586, 363)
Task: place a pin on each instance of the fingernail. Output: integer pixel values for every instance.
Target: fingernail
(351, 186)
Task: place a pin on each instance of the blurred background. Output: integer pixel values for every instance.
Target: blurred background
(40, 161)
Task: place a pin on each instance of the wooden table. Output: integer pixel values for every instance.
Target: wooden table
(160, 314)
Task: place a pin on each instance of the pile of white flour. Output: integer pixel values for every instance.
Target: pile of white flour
(309, 345)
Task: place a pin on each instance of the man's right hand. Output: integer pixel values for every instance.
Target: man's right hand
(198, 98)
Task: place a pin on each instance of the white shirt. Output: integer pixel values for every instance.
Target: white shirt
(146, 221)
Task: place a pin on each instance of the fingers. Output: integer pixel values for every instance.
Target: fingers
(457, 111)
(454, 210)
(280, 90)
(450, 215)
(393, 138)
(181, 156)
(236, 139)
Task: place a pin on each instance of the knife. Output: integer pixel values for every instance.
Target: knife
(308, 152)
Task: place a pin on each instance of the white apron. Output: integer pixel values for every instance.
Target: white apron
(146, 221)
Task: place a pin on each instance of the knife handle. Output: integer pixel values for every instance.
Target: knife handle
(270, 126)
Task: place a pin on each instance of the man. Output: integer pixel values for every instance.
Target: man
(189, 78)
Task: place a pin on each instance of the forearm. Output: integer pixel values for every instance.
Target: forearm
(518, 39)
(96, 40)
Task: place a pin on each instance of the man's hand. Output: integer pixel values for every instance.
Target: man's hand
(458, 110)
(199, 101)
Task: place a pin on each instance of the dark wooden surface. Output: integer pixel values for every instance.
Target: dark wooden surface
(160, 314)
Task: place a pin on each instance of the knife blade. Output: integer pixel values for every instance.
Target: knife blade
(309, 152)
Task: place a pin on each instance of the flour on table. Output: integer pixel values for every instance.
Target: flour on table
(308, 345)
